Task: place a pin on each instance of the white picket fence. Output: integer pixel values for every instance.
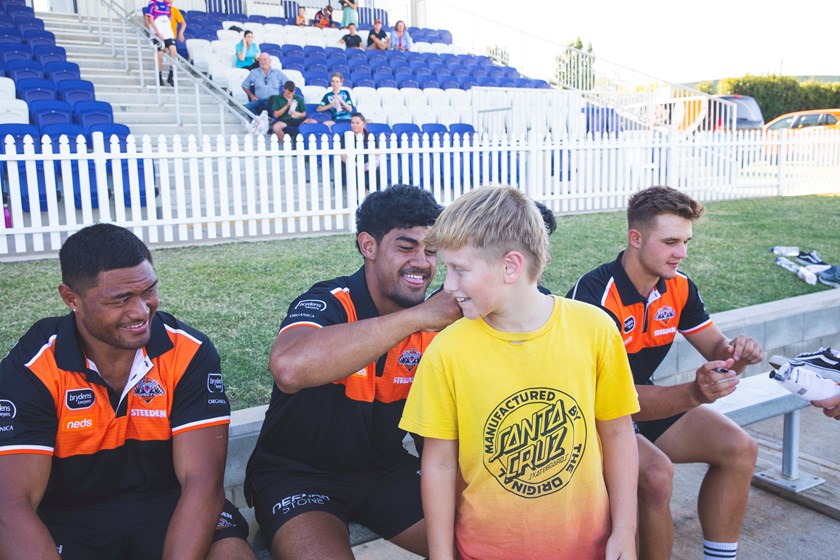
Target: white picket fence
(177, 191)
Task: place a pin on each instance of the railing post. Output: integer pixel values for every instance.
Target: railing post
(198, 109)
(671, 159)
(178, 119)
(782, 155)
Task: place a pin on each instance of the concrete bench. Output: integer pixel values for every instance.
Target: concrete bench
(759, 398)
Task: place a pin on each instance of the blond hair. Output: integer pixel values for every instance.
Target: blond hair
(494, 220)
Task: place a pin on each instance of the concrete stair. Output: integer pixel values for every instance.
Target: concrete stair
(137, 104)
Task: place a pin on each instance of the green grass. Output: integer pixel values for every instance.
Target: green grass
(238, 293)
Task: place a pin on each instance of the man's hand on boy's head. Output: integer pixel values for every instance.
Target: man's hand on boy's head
(439, 311)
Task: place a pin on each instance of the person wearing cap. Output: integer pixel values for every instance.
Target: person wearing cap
(378, 37)
(324, 17)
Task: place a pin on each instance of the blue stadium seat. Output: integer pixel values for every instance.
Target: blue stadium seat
(14, 53)
(59, 71)
(121, 132)
(35, 90)
(36, 34)
(486, 81)
(89, 113)
(69, 85)
(408, 84)
(44, 112)
(312, 112)
(385, 82)
(434, 128)
(377, 63)
(289, 48)
(270, 48)
(340, 128)
(74, 96)
(378, 128)
(19, 132)
(342, 69)
(72, 132)
(426, 71)
(450, 84)
(311, 133)
(364, 82)
(445, 36)
(316, 67)
(258, 18)
(407, 129)
(315, 58)
(381, 71)
(334, 52)
(429, 84)
(403, 72)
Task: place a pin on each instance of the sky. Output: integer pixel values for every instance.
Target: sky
(674, 40)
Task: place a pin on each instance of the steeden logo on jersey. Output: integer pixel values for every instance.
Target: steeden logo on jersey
(147, 389)
(534, 441)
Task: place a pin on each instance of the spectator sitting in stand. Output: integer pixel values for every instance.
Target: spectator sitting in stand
(363, 139)
(351, 40)
(324, 17)
(378, 37)
(261, 83)
(288, 110)
(336, 101)
(247, 52)
(301, 20)
(400, 39)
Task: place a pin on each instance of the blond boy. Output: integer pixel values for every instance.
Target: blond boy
(524, 403)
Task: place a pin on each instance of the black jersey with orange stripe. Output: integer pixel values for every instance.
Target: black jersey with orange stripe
(350, 424)
(649, 325)
(107, 445)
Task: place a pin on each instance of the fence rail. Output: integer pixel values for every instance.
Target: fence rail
(187, 191)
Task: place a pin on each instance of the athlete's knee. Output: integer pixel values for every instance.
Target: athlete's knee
(656, 481)
(740, 451)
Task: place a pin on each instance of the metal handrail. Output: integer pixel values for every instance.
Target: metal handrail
(180, 64)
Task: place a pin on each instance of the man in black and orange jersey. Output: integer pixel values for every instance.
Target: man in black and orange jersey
(650, 301)
(330, 450)
(114, 421)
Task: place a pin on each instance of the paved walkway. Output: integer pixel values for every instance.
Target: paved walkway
(775, 528)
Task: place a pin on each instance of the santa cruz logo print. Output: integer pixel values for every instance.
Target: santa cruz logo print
(148, 389)
(410, 358)
(534, 441)
(665, 314)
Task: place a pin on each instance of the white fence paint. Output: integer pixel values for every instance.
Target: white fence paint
(238, 188)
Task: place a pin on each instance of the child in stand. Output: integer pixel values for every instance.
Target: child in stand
(524, 404)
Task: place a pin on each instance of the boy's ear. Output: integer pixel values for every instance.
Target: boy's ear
(514, 266)
(367, 245)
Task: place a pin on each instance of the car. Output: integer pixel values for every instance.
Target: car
(824, 118)
(747, 113)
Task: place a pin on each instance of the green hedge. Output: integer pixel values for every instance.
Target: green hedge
(777, 95)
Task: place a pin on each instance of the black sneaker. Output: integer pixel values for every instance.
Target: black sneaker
(170, 80)
(809, 258)
(825, 360)
(830, 277)
(160, 80)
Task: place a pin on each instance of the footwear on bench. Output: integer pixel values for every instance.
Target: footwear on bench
(822, 360)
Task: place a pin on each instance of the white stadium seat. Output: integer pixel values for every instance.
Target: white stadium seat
(234, 77)
(423, 115)
(312, 94)
(399, 116)
(435, 96)
(447, 115)
(295, 76)
(413, 97)
(366, 95)
(458, 97)
(198, 50)
(13, 111)
(7, 88)
(228, 35)
(422, 46)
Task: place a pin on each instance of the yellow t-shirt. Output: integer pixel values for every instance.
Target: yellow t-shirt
(523, 408)
(177, 18)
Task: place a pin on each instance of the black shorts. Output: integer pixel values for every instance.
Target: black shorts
(292, 122)
(652, 429)
(385, 500)
(120, 530)
(163, 46)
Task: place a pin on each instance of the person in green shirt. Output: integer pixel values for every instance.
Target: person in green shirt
(289, 110)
